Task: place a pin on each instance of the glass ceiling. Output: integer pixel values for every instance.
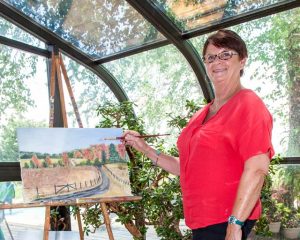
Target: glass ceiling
(190, 14)
(98, 28)
(9, 30)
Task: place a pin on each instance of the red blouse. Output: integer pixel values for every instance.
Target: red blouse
(212, 157)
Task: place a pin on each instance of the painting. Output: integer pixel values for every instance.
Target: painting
(72, 163)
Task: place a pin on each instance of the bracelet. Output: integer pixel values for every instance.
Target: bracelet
(157, 152)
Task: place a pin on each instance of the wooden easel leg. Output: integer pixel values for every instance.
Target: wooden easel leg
(80, 225)
(106, 220)
(8, 228)
(47, 223)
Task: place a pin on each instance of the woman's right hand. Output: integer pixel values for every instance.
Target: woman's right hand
(131, 138)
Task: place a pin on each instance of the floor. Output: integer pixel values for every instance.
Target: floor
(27, 224)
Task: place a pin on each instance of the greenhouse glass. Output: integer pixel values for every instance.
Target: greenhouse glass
(286, 185)
(24, 97)
(191, 14)
(9, 30)
(158, 82)
(98, 28)
(89, 92)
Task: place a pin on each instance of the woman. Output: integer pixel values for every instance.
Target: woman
(224, 151)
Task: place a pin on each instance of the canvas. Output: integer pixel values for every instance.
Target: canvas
(72, 163)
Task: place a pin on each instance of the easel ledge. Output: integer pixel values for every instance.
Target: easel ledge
(79, 202)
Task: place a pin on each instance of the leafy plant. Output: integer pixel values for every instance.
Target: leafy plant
(291, 218)
(262, 225)
(275, 212)
(161, 203)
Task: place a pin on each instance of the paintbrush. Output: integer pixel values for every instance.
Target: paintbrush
(141, 136)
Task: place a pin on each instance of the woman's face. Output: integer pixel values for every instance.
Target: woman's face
(224, 71)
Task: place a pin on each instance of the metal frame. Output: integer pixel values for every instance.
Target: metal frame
(24, 22)
(11, 171)
(25, 47)
(262, 12)
(138, 49)
(155, 16)
(245, 17)
(162, 23)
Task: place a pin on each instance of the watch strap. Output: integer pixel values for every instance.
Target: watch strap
(233, 220)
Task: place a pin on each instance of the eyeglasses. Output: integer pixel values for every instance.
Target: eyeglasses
(222, 56)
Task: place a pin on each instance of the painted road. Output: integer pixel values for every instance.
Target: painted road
(97, 190)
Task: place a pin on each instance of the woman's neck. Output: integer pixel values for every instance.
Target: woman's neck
(223, 94)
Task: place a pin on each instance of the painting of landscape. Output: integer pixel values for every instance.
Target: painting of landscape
(72, 163)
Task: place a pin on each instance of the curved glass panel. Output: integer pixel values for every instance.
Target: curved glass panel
(9, 30)
(192, 14)
(273, 73)
(159, 82)
(89, 92)
(285, 185)
(23, 95)
(98, 28)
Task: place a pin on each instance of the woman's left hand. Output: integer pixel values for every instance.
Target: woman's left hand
(234, 232)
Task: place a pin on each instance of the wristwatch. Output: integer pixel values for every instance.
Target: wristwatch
(234, 220)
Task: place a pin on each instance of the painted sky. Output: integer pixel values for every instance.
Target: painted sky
(57, 140)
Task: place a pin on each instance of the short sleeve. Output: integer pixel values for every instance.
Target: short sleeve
(256, 134)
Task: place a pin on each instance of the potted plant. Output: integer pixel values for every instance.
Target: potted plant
(291, 224)
(274, 215)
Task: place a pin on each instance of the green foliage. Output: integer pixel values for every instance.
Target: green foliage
(157, 81)
(31, 164)
(161, 203)
(291, 218)
(181, 121)
(16, 69)
(287, 179)
(26, 165)
(60, 163)
(92, 218)
(97, 162)
(103, 154)
(262, 225)
(88, 162)
(8, 140)
(276, 48)
(275, 211)
(44, 164)
(113, 154)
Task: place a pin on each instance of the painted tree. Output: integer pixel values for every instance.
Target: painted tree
(114, 156)
(77, 154)
(65, 159)
(103, 157)
(48, 161)
(121, 150)
(37, 162)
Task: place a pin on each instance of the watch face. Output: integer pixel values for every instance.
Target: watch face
(231, 220)
(234, 220)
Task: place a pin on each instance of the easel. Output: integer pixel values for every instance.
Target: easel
(58, 67)
(80, 203)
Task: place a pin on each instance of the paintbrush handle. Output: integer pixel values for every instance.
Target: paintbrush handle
(141, 136)
(153, 135)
